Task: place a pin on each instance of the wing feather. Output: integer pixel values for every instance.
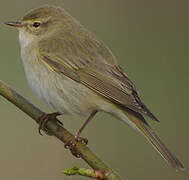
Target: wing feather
(93, 65)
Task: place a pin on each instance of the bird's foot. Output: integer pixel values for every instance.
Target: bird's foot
(71, 144)
(45, 118)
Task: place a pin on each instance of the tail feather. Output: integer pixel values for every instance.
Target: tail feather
(138, 122)
(160, 147)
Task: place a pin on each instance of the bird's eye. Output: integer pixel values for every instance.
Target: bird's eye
(36, 24)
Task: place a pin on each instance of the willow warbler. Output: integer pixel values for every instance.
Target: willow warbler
(76, 74)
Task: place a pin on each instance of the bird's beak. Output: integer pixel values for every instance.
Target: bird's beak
(15, 24)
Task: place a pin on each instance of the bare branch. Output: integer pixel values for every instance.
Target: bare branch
(61, 133)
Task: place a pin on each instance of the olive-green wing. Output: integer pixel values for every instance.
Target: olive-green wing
(90, 63)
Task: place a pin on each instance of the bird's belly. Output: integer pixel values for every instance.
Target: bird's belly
(60, 92)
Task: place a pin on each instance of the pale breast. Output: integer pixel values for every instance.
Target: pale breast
(61, 93)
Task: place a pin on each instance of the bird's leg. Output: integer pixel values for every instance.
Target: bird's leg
(45, 118)
(77, 136)
(72, 143)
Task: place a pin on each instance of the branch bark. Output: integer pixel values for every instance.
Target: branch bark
(99, 167)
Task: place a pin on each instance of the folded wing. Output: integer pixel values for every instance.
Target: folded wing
(90, 63)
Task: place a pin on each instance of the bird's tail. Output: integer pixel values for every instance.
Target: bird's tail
(138, 122)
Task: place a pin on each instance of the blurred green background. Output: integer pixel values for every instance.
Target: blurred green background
(150, 39)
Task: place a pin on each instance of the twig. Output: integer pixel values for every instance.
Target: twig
(60, 132)
(95, 174)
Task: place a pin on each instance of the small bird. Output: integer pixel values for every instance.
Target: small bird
(76, 74)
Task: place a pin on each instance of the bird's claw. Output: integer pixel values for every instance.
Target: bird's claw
(45, 118)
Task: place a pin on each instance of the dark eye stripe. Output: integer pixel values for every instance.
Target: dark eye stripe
(36, 24)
